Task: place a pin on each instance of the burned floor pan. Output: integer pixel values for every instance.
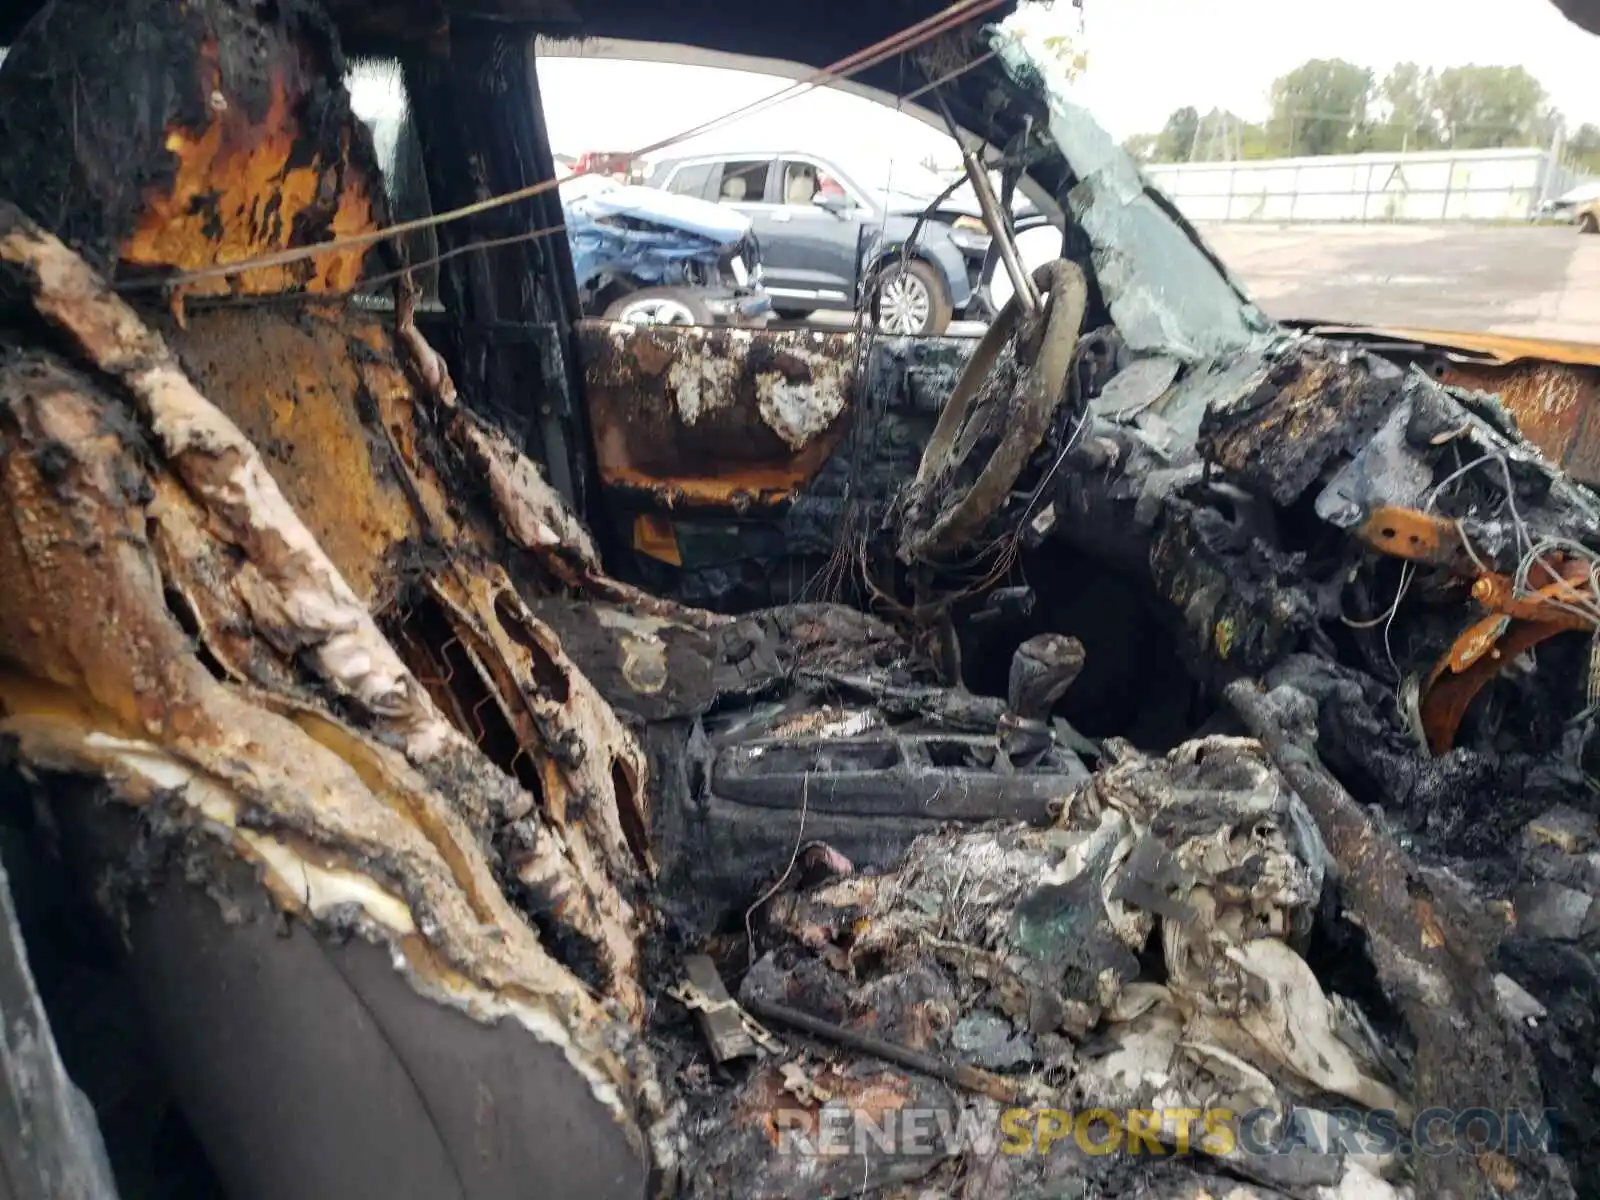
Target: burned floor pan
(1017, 962)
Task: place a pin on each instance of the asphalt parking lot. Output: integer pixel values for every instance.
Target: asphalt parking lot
(1535, 281)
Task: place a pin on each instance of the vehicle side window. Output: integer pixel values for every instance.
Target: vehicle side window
(804, 182)
(692, 180)
(380, 100)
(799, 183)
(743, 181)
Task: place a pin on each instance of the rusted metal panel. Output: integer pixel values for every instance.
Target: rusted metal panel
(1550, 387)
(1498, 346)
(292, 383)
(1554, 405)
(712, 417)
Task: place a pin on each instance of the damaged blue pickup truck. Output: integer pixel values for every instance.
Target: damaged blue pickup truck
(652, 258)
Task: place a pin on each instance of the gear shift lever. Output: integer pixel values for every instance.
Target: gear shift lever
(1042, 669)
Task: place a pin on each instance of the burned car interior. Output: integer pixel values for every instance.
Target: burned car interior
(457, 748)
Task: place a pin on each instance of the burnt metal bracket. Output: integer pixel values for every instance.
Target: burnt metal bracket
(1027, 295)
(1000, 230)
(729, 1031)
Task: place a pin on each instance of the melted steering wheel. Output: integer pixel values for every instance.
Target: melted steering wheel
(940, 517)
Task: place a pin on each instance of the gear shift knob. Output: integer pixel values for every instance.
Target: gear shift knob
(1042, 669)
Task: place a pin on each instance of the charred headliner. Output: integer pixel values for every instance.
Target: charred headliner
(819, 34)
(1583, 13)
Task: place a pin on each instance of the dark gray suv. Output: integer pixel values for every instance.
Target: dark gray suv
(831, 240)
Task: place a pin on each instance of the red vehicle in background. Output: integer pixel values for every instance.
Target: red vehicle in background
(618, 165)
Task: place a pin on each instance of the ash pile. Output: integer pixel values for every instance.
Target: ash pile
(1173, 989)
(1332, 936)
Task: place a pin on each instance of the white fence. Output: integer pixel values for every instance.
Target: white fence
(1462, 185)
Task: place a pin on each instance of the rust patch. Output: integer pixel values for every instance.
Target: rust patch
(1417, 536)
(656, 536)
(1554, 405)
(292, 386)
(245, 189)
(714, 418)
(1516, 624)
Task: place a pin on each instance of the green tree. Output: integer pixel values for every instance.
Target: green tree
(1141, 147)
(1224, 135)
(1482, 107)
(1412, 123)
(1321, 107)
(1583, 148)
(1175, 142)
(1256, 143)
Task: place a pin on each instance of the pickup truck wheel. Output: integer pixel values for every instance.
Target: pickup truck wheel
(910, 298)
(661, 306)
(793, 314)
(1588, 223)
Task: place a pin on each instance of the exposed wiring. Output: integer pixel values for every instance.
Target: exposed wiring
(1406, 573)
(373, 281)
(1574, 599)
(949, 75)
(799, 841)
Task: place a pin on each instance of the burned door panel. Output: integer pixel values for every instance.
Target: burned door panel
(729, 420)
(267, 597)
(726, 454)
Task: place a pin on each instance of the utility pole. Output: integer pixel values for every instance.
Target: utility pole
(1558, 136)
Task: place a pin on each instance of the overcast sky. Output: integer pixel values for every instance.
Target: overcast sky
(1146, 57)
